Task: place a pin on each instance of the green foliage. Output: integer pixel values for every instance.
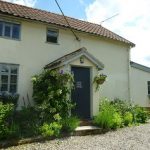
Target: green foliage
(6, 112)
(140, 115)
(69, 124)
(51, 91)
(6, 98)
(51, 129)
(122, 106)
(28, 121)
(117, 121)
(128, 118)
(108, 117)
(117, 113)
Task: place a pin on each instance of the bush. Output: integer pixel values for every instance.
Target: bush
(6, 97)
(69, 124)
(117, 121)
(28, 121)
(52, 129)
(122, 106)
(128, 118)
(140, 115)
(50, 92)
(108, 117)
(6, 113)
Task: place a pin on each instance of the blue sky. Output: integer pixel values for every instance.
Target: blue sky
(133, 21)
(73, 8)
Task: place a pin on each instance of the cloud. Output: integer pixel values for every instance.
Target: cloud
(29, 3)
(133, 23)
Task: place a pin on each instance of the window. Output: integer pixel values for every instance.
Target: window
(52, 36)
(8, 78)
(148, 83)
(9, 30)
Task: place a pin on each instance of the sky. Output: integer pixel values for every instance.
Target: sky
(132, 20)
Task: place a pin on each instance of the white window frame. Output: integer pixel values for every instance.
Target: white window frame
(54, 30)
(9, 66)
(11, 29)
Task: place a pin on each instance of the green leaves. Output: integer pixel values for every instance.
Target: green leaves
(6, 111)
(51, 91)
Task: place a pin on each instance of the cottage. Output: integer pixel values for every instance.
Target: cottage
(32, 39)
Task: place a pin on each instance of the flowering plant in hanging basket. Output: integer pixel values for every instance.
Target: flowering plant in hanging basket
(99, 79)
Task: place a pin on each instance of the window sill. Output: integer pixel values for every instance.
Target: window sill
(52, 43)
(10, 38)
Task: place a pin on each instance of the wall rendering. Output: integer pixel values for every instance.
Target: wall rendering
(32, 53)
(139, 87)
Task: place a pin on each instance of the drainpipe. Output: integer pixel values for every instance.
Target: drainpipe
(129, 73)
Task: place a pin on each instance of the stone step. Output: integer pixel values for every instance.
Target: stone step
(87, 130)
(86, 123)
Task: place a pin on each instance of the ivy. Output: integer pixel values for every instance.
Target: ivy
(51, 93)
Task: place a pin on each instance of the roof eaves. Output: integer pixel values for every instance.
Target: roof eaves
(140, 67)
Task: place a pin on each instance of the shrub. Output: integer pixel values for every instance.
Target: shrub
(6, 113)
(122, 106)
(6, 97)
(50, 92)
(52, 129)
(28, 121)
(108, 117)
(116, 121)
(69, 124)
(128, 118)
(140, 115)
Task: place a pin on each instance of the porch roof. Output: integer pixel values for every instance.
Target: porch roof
(66, 59)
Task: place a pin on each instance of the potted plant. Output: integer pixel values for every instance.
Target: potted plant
(99, 79)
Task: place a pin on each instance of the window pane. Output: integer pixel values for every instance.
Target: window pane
(4, 87)
(148, 87)
(13, 79)
(13, 88)
(4, 79)
(4, 69)
(1, 28)
(14, 70)
(52, 36)
(7, 30)
(16, 31)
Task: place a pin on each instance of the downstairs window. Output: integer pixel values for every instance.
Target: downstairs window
(8, 78)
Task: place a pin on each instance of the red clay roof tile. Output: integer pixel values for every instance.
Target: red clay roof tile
(52, 18)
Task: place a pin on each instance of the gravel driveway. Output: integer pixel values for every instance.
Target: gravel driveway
(133, 138)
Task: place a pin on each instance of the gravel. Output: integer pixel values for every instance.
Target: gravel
(130, 138)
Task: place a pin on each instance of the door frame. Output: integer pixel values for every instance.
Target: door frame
(91, 86)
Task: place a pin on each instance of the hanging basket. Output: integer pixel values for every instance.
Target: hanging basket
(100, 81)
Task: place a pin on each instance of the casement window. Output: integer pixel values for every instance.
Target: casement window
(8, 78)
(148, 84)
(9, 30)
(52, 36)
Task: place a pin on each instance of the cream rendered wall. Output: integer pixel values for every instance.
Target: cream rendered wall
(32, 53)
(139, 88)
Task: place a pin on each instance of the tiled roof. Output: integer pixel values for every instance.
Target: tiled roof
(75, 54)
(139, 66)
(56, 19)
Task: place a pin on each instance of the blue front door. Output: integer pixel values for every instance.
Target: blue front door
(81, 92)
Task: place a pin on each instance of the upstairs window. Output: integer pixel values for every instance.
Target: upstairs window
(52, 36)
(148, 83)
(8, 78)
(9, 30)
